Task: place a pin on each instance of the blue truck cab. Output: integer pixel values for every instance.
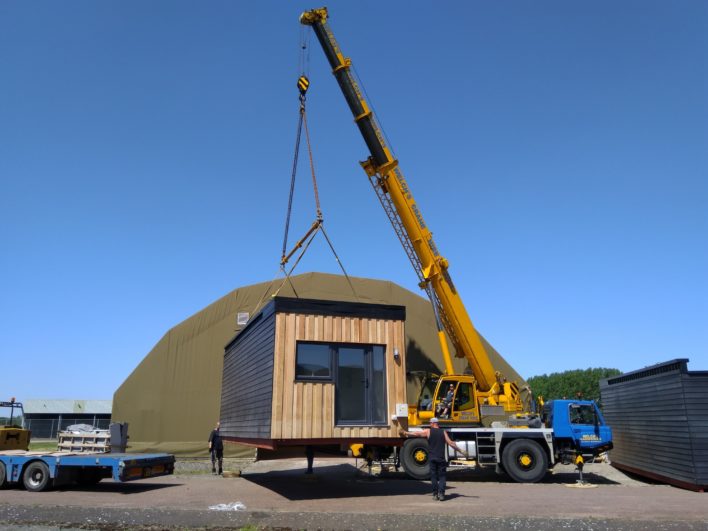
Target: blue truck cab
(578, 428)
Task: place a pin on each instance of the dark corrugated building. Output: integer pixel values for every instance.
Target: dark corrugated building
(659, 419)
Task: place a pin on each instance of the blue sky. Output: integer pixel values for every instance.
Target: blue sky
(558, 150)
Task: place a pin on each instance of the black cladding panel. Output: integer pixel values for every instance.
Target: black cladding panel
(659, 420)
(247, 384)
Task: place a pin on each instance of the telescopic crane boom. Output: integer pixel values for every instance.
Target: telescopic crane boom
(417, 239)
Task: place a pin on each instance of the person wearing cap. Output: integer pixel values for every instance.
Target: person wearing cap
(437, 439)
(447, 401)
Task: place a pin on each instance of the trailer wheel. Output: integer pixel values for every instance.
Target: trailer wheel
(414, 458)
(3, 475)
(36, 477)
(525, 461)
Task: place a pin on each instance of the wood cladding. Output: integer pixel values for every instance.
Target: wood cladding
(263, 401)
(306, 410)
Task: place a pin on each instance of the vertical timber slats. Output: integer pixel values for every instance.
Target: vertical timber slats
(306, 409)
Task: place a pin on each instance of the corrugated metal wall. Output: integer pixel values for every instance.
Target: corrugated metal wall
(247, 385)
(659, 419)
(695, 385)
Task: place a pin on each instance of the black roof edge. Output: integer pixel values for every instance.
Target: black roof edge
(680, 364)
(366, 310)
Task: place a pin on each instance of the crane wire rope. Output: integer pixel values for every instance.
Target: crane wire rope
(318, 225)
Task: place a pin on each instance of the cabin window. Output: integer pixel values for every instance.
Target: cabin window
(360, 386)
(313, 361)
(358, 372)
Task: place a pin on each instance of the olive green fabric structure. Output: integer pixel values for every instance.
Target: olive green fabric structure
(172, 398)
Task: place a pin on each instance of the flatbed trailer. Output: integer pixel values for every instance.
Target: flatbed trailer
(38, 471)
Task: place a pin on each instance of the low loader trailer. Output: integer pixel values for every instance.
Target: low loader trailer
(38, 471)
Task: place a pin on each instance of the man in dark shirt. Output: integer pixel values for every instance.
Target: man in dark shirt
(447, 401)
(216, 448)
(437, 439)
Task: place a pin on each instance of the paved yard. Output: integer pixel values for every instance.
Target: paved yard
(277, 494)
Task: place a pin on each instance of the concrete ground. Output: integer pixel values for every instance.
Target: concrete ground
(278, 495)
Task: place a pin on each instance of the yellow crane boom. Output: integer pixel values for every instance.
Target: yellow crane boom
(417, 239)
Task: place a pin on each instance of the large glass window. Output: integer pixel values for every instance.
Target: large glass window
(378, 383)
(358, 372)
(313, 361)
(360, 386)
(351, 384)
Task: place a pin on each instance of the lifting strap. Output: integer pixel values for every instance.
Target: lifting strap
(318, 225)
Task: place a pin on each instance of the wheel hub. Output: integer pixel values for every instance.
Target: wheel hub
(525, 460)
(420, 456)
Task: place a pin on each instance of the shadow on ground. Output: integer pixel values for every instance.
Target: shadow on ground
(118, 488)
(347, 481)
(337, 481)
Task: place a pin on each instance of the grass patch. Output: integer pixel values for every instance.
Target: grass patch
(43, 446)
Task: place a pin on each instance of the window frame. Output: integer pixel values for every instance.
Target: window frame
(332, 365)
(368, 349)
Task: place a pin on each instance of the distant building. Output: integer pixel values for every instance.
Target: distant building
(45, 418)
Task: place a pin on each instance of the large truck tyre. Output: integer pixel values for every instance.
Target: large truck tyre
(36, 477)
(3, 475)
(525, 461)
(415, 458)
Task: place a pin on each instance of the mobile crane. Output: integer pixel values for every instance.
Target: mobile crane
(485, 386)
(523, 447)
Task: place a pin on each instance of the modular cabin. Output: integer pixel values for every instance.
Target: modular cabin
(312, 372)
(659, 417)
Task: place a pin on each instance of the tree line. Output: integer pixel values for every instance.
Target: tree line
(578, 383)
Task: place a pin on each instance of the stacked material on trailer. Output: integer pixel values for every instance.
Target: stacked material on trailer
(315, 372)
(659, 418)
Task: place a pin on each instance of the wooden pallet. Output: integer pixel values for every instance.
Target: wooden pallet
(90, 442)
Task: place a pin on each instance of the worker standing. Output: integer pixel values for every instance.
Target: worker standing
(216, 448)
(437, 439)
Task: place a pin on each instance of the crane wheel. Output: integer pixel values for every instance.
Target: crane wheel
(525, 461)
(414, 458)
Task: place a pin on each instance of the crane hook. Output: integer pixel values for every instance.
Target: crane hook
(303, 84)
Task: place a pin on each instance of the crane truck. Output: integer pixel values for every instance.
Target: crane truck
(485, 412)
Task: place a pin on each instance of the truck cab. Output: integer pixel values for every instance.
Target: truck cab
(578, 428)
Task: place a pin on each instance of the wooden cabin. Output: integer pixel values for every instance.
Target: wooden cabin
(315, 372)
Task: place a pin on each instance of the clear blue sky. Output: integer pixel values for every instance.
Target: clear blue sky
(559, 151)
